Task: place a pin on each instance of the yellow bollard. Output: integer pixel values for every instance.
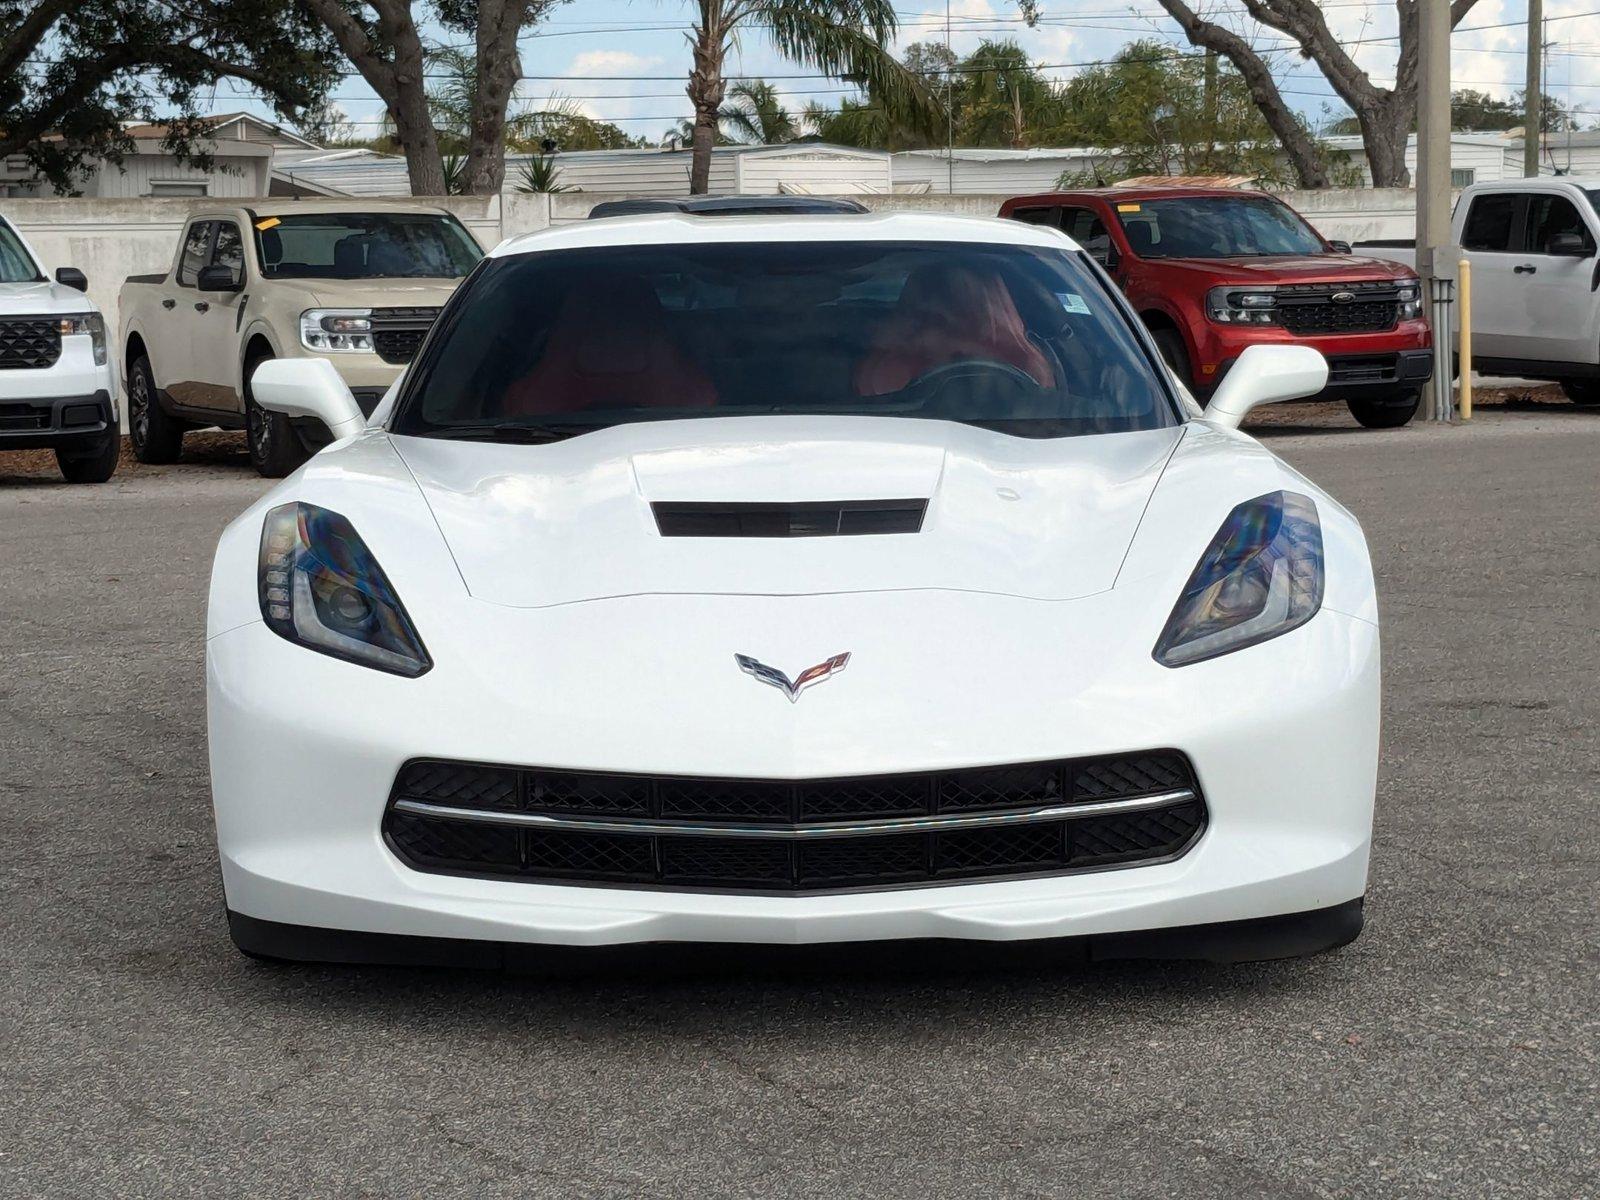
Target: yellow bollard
(1465, 309)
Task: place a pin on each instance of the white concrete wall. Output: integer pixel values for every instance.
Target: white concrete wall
(819, 173)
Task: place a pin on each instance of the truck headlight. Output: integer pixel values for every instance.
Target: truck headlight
(321, 588)
(332, 329)
(1410, 297)
(1234, 305)
(94, 325)
(1261, 577)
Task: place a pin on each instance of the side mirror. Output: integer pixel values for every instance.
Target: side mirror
(308, 387)
(216, 278)
(1569, 244)
(1265, 375)
(1339, 246)
(73, 278)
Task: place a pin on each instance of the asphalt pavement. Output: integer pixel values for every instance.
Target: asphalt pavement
(1450, 1052)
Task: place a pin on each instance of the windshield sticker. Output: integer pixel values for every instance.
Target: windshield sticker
(263, 226)
(1073, 303)
(1127, 208)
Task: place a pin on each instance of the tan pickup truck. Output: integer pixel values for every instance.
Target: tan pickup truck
(356, 282)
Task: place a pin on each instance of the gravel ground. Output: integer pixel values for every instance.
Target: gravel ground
(1450, 1052)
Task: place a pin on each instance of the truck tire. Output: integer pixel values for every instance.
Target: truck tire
(1176, 356)
(94, 465)
(275, 447)
(1386, 412)
(156, 436)
(1582, 391)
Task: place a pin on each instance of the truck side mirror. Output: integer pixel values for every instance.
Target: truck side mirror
(73, 278)
(308, 387)
(217, 278)
(1569, 244)
(1265, 375)
(1339, 246)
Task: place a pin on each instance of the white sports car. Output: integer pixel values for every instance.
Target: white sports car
(791, 579)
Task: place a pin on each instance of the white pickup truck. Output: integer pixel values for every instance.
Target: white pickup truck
(356, 282)
(58, 389)
(1533, 245)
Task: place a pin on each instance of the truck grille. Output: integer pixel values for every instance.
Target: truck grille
(793, 836)
(15, 417)
(397, 333)
(1310, 308)
(29, 344)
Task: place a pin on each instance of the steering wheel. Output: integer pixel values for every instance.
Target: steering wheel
(974, 366)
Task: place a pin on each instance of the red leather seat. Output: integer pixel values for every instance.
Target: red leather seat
(949, 314)
(610, 347)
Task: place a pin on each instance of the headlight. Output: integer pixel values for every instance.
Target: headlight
(325, 329)
(321, 587)
(1410, 297)
(1234, 305)
(94, 325)
(1260, 577)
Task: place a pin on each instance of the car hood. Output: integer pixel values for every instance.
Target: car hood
(42, 298)
(376, 293)
(531, 526)
(1271, 268)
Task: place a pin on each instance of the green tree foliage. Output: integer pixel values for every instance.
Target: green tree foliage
(755, 115)
(1473, 111)
(76, 72)
(842, 38)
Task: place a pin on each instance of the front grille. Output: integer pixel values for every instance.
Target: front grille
(1309, 308)
(23, 416)
(29, 344)
(793, 836)
(1382, 369)
(397, 333)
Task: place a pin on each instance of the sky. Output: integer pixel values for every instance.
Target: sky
(626, 61)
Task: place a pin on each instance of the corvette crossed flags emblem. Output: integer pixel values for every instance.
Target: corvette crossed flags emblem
(792, 688)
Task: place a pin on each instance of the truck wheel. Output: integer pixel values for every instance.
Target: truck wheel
(1581, 391)
(1386, 412)
(1173, 353)
(157, 437)
(94, 465)
(275, 448)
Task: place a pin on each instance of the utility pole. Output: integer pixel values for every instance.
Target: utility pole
(1533, 93)
(1435, 257)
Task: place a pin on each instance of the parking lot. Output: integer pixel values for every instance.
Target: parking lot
(1451, 1051)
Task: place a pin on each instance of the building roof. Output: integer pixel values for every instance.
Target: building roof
(667, 229)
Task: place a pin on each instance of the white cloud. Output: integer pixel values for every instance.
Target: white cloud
(610, 62)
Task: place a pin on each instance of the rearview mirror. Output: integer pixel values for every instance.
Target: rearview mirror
(1265, 375)
(73, 278)
(217, 278)
(308, 387)
(1569, 244)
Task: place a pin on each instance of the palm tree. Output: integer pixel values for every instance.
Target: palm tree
(756, 115)
(845, 38)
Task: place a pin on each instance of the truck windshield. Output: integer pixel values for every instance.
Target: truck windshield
(364, 246)
(547, 345)
(16, 264)
(1215, 227)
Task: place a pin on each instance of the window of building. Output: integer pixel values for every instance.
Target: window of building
(178, 187)
(1461, 177)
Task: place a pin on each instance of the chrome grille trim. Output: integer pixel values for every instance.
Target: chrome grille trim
(836, 829)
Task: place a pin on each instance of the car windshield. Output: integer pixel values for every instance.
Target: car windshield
(546, 345)
(16, 264)
(1215, 227)
(364, 246)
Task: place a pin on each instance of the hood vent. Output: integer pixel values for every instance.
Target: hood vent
(826, 518)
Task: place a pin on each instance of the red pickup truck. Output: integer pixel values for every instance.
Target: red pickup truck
(1212, 271)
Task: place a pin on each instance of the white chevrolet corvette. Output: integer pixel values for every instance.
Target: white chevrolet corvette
(791, 579)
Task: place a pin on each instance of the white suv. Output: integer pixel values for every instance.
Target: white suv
(1535, 280)
(58, 385)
